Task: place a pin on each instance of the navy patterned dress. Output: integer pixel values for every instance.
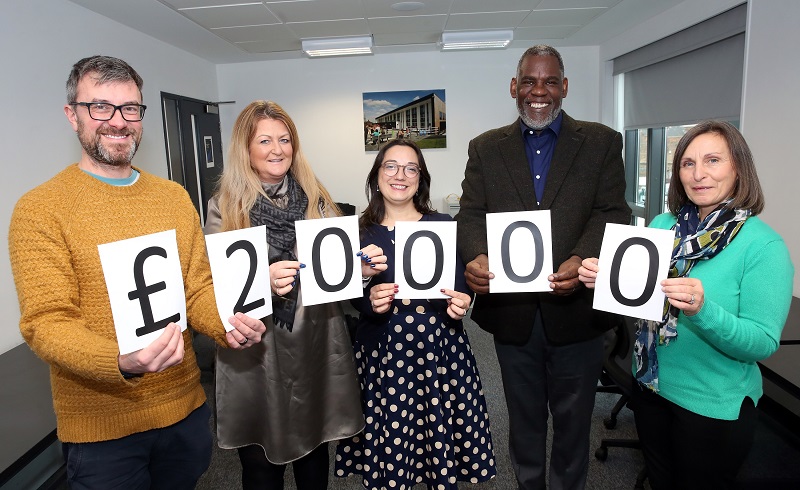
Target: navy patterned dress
(426, 418)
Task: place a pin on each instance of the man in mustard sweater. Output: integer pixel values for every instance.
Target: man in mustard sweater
(133, 421)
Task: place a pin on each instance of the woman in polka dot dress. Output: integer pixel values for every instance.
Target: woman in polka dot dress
(426, 418)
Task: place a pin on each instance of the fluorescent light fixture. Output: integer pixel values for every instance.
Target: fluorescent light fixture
(337, 46)
(476, 40)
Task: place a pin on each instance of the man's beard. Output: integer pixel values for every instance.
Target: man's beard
(541, 122)
(100, 153)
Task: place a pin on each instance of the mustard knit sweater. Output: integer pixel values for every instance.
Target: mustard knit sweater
(65, 311)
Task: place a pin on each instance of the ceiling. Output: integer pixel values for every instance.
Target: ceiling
(224, 31)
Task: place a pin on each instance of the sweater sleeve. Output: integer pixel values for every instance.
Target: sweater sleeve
(51, 320)
(201, 303)
(764, 299)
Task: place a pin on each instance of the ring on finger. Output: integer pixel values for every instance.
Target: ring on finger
(244, 341)
(691, 301)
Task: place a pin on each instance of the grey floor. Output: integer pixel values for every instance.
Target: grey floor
(617, 472)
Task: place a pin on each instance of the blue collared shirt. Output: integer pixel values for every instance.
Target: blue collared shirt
(539, 150)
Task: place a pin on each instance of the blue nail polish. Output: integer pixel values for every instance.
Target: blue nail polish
(369, 260)
(359, 253)
(302, 266)
(293, 282)
(372, 265)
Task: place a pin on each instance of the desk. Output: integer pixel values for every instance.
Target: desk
(781, 370)
(791, 331)
(27, 420)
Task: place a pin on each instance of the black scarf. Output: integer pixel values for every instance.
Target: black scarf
(288, 205)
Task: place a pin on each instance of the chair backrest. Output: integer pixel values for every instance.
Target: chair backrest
(347, 209)
(619, 354)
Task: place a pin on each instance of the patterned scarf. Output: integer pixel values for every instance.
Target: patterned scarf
(694, 240)
(288, 205)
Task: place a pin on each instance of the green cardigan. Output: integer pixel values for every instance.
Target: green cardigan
(711, 366)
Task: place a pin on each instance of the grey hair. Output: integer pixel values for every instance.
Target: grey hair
(107, 70)
(541, 50)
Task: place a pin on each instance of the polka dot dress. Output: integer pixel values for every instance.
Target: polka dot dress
(425, 414)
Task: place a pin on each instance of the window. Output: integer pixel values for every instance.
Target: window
(660, 100)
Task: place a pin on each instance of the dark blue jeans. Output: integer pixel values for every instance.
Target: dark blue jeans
(172, 458)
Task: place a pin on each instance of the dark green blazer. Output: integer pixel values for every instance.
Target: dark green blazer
(585, 189)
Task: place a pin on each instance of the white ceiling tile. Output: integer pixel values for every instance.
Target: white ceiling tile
(472, 6)
(383, 8)
(544, 32)
(561, 17)
(254, 33)
(399, 25)
(333, 28)
(431, 37)
(231, 16)
(273, 46)
(576, 4)
(497, 20)
(314, 10)
(181, 4)
(276, 26)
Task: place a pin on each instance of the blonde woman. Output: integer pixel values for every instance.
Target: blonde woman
(308, 390)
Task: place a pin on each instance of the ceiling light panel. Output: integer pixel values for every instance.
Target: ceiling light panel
(452, 41)
(343, 46)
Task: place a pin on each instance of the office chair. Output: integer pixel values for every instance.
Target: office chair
(346, 208)
(617, 378)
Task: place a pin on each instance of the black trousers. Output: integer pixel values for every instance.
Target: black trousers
(310, 471)
(538, 377)
(684, 450)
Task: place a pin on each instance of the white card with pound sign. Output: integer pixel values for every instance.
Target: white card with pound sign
(145, 287)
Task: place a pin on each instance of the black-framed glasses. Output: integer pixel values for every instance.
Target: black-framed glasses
(391, 169)
(103, 111)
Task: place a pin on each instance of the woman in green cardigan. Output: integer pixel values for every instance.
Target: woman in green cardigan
(727, 299)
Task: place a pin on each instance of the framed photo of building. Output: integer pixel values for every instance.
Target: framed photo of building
(419, 115)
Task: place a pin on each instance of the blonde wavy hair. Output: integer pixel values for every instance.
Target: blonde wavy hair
(239, 185)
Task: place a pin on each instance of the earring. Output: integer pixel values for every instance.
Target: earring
(377, 189)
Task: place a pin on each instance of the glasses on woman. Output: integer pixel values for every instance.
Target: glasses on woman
(410, 171)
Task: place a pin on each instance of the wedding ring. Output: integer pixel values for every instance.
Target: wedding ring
(691, 302)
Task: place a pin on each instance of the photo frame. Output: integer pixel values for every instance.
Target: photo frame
(418, 115)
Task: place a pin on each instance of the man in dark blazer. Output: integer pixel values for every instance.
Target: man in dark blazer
(549, 345)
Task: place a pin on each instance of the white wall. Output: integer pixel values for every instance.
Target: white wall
(324, 98)
(770, 111)
(41, 40)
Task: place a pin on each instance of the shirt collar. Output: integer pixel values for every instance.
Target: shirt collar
(555, 126)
